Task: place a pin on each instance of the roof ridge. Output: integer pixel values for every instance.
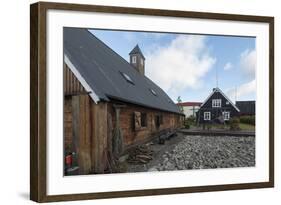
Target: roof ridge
(219, 90)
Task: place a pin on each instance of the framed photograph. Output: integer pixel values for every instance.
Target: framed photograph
(136, 102)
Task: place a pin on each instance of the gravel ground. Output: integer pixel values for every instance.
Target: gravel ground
(201, 152)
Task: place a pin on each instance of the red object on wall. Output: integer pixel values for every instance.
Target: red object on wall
(68, 160)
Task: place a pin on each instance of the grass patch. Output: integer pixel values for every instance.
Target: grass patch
(242, 126)
(249, 127)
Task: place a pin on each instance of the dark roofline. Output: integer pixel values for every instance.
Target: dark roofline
(165, 104)
(220, 91)
(124, 100)
(140, 104)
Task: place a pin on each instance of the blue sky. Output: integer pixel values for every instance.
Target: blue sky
(186, 65)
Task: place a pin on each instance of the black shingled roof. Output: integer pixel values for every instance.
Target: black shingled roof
(100, 66)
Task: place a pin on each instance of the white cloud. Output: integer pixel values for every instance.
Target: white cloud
(228, 66)
(243, 90)
(248, 67)
(180, 65)
(248, 62)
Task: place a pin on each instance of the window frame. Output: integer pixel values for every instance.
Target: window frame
(216, 102)
(143, 123)
(134, 59)
(207, 118)
(228, 114)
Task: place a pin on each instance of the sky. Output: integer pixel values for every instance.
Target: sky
(189, 65)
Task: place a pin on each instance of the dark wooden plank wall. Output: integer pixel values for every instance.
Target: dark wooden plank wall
(71, 84)
(131, 135)
(85, 126)
(88, 126)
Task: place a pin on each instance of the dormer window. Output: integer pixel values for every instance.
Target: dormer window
(127, 78)
(216, 103)
(134, 59)
(153, 92)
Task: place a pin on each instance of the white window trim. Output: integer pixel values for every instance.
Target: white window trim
(207, 115)
(134, 59)
(224, 114)
(216, 102)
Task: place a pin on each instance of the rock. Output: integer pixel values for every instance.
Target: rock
(206, 152)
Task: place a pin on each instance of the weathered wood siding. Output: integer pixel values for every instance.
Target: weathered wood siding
(132, 135)
(68, 140)
(99, 136)
(85, 126)
(85, 132)
(71, 84)
(88, 127)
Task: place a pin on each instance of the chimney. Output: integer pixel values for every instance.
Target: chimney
(137, 60)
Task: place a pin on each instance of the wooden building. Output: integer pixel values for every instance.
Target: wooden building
(109, 103)
(217, 108)
(247, 107)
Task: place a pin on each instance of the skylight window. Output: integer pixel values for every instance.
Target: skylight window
(153, 92)
(127, 78)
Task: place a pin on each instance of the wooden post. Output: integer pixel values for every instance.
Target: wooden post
(84, 157)
(81, 132)
(99, 136)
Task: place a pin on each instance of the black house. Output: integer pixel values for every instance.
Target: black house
(247, 107)
(217, 108)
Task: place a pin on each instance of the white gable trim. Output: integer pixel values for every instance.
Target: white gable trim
(92, 94)
(217, 89)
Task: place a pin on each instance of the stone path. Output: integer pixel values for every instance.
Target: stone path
(203, 152)
(200, 152)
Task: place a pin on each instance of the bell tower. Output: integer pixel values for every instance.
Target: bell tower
(137, 60)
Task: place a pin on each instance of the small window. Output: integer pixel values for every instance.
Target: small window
(216, 103)
(127, 78)
(153, 92)
(227, 103)
(226, 115)
(143, 120)
(134, 59)
(207, 115)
